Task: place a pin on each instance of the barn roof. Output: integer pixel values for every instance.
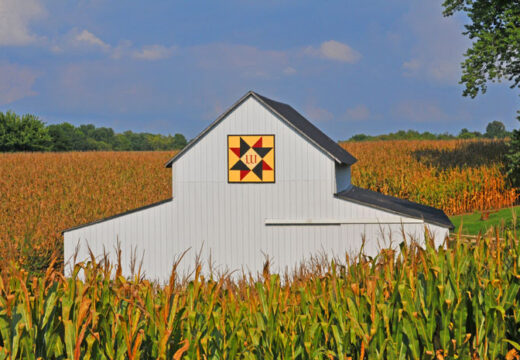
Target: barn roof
(377, 200)
(293, 118)
(118, 215)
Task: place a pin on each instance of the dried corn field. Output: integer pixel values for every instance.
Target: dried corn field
(42, 194)
(458, 176)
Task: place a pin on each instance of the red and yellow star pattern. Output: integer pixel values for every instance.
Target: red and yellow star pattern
(251, 158)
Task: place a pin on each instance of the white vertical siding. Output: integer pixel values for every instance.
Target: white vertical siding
(226, 222)
(146, 233)
(234, 231)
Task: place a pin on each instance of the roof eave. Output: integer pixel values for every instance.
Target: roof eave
(118, 215)
(450, 227)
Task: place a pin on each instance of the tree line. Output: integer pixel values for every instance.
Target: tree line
(494, 130)
(29, 133)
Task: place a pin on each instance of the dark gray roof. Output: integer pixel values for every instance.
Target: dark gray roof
(311, 131)
(118, 215)
(395, 205)
(294, 119)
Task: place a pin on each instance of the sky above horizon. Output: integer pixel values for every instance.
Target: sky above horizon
(167, 66)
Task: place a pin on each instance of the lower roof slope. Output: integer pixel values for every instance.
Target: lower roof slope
(118, 215)
(377, 200)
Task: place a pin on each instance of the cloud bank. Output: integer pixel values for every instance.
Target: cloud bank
(16, 83)
(15, 18)
(336, 51)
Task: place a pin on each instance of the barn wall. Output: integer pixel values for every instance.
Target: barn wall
(146, 233)
(228, 220)
(226, 223)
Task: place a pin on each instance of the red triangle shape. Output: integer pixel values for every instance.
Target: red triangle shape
(236, 151)
(258, 143)
(243, 173)
(265, 166)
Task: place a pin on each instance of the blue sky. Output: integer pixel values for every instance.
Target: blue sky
(168, 66)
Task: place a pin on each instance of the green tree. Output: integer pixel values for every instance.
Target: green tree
(122, 142)
(138, 141)
(93, 138)
(93, 144)
(495, 130)
(23, 133)
(66, 137)
(28, 133)
(513, 159)
(104, 134)
(179, 141)
(494, 28)
(466, 134)
(361, 137)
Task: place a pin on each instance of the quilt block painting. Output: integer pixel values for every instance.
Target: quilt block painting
(251, 158)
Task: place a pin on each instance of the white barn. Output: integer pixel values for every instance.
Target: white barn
(260, 180)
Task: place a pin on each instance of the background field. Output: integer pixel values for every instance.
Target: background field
(42, 194)
(458, 176)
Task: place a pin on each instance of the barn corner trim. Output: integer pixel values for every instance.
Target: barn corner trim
(292, 118)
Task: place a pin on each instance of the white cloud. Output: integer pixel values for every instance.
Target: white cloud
(123, 49)
(289, 70)
(359, 112)
(85, 40)
(420, 111)
(154, 52)
(15, 19)
(318, 114)
(56, 49)
(411, 66)
(16, 83)
(88, 38)
(439, 45)
(247, 61)
(335, 50)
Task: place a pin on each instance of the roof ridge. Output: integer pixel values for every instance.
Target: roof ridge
(293, 118)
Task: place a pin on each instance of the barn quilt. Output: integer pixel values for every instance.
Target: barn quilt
(251, 158)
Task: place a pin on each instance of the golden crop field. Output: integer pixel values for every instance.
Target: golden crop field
(458, 176)
(42, 194)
